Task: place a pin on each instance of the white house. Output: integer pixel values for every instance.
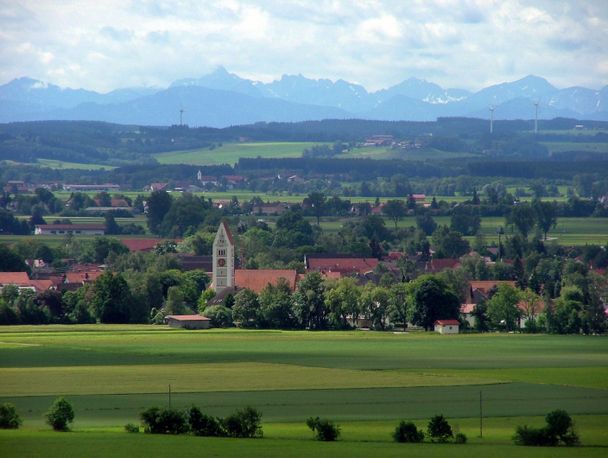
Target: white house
(447, 326)
(75, 229)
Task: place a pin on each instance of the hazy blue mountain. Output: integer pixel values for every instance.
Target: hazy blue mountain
(222, 98)
(401, 107)
(340, 94)
(28, 99)
(422, 90)
(223, 80)
(523, 108)
(202, 107)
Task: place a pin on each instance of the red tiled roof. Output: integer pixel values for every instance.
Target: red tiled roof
(467, 308)
(343, 265)
(82, 277)
(486, 285)
(187, 318)
(140, 244)
(539, 306)
(331, 275)
(14, 278)
(257, 280)
(41, 285)
(447, 322)
(395, 255)
(437, 265)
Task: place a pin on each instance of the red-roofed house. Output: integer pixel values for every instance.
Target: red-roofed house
(157, 187)
(82, 277)
(483, 287)
(439, 265)
(140, 244)
(22, 281)
(188, 321)
(447, 326)
(14, 278)
(344, 264)
(257, 280)
(466, 312)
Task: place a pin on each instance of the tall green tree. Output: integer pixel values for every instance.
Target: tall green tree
(156, 207)
(448, 243)
(465, 219)
(276, 305)
(246, 309)
(342, 302)
(309, 302)
(432, 300)
(546, 216)
(316, 201)
(111, 298)
(395, 210)
(503, 311)
(522, 216)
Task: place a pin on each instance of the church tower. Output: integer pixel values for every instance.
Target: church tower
(223, 259)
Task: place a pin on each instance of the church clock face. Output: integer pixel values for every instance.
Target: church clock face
(221, 262)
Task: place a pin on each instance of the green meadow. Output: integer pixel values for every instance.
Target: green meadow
(230, 153)
(366, 381)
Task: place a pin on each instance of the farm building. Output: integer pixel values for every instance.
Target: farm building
(447, 326)
(188, 321)
(62, 229)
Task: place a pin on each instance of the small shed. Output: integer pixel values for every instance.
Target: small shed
(188, 321)
(447, 326)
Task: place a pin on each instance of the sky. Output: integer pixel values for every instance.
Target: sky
(108, 44)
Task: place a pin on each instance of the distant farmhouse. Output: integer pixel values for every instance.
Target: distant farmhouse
(73, 229)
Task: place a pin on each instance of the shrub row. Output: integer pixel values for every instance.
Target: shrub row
(242, 423)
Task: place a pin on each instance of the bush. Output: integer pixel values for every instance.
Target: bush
(60, 414)
(9, 419)
(164, 421)
(561, 425)
(439, 429)
(204, 425)
(525, 435)
(460, 438)
(243, 423)
(559, 428)
(324, 430)
(407, 432)
(131, 428)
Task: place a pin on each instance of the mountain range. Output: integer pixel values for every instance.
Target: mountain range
(220, 99)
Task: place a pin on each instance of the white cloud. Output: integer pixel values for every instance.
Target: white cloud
(457, 43)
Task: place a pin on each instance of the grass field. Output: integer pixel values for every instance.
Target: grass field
(230, 153)
(55, 164)
(569, 231)
(375, 152)
(558, 147)
(366, 381)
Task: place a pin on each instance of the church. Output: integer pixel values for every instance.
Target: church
(226, 279)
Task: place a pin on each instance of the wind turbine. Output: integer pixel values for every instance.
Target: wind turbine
(492, 108)
(536, 116)
(181, 114)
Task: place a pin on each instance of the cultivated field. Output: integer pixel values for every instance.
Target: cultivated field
(366, 381)
(230, 153)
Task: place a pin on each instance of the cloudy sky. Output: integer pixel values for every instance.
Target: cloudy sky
(106, 44)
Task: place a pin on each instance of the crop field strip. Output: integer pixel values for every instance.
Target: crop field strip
(365, 381)
(569, 231)
(230, 153)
